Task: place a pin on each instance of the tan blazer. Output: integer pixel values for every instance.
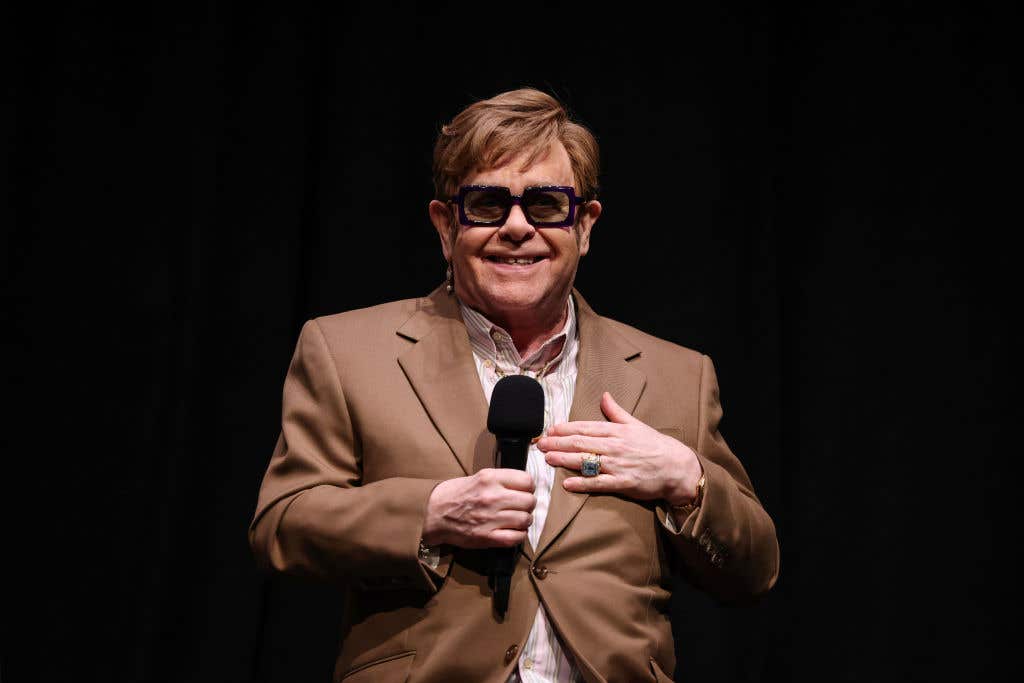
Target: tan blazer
(383, 403)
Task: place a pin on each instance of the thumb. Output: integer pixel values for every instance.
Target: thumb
(614, 412)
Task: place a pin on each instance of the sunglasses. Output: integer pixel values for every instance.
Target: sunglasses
(545, 206)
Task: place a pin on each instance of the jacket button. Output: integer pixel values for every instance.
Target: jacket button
(540, 572)
(511, 653)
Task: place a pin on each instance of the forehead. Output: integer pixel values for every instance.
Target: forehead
(552, 167)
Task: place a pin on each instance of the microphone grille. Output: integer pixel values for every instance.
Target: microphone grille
(517, 407)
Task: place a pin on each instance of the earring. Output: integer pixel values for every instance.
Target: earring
(449, 279)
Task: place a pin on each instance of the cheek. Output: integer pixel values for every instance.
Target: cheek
(463, 247)
(566, 245)
(468, 244)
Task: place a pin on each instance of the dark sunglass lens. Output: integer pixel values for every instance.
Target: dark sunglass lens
(485, 205)
(547, 206)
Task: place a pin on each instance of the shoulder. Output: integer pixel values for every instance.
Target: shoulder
(385, 330)
(385, 317)
(364, 336)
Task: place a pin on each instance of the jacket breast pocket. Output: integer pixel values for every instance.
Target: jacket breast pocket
(391, 669)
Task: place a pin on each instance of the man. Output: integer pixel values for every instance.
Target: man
(383, 477)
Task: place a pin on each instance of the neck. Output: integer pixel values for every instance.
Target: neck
(530, 334)
(529, 330)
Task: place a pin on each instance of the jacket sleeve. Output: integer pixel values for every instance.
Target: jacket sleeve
(728, 545)
(314, 516)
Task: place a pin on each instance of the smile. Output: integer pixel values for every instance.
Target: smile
(518, 261)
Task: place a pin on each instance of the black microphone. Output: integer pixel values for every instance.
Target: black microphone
(515, 417)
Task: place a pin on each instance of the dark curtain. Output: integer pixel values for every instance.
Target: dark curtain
(817, 197)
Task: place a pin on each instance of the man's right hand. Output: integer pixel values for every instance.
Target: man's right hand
(490, 509)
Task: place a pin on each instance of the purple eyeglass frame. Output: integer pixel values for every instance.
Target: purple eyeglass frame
(574, 201)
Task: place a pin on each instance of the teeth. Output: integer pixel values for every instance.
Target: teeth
(515, 261)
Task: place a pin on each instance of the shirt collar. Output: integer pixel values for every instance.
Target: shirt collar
(492, 342)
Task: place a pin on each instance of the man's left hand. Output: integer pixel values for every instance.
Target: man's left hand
(637, 461)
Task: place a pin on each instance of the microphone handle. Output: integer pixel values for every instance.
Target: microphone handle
(512, 452)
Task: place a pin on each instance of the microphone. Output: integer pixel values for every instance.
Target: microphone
(515, 417)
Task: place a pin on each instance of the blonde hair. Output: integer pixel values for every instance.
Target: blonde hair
(489, 132)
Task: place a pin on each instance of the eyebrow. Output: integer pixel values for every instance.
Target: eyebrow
(529, 183)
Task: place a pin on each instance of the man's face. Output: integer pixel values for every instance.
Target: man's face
(484, 277)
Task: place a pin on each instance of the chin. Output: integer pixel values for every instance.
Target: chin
(513, 303)
(506, 301)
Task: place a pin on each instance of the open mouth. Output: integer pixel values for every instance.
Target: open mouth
(515, 261)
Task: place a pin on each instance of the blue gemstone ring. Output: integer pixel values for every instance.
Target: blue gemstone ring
(591, 466)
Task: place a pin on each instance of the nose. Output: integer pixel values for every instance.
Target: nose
(516, 229)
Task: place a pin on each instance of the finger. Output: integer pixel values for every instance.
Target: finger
(574, 444)
(602, 483)
(505, 538)
(516, 520)
(514, 479)
(573, 461)
(614, 412)
(519, 500)
(584, 428)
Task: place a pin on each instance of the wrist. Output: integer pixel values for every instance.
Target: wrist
(688, 483)
(430, 537)
(693, 501)
(432, 533)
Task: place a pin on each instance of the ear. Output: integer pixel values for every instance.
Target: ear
(441, 217)
(589, 214)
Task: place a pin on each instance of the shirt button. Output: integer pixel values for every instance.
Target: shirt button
(527, 663)
(511, 653)
(540, 572)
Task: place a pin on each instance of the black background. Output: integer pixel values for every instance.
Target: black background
(821, 198)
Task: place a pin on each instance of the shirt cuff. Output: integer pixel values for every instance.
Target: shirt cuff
(430, 555)
(670, 520)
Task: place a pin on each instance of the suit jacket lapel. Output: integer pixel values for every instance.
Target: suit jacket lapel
(603, 366)
(441, 370)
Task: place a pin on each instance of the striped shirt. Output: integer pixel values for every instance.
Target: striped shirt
(542, 659)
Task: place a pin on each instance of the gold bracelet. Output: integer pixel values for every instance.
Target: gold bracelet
(687, 508)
